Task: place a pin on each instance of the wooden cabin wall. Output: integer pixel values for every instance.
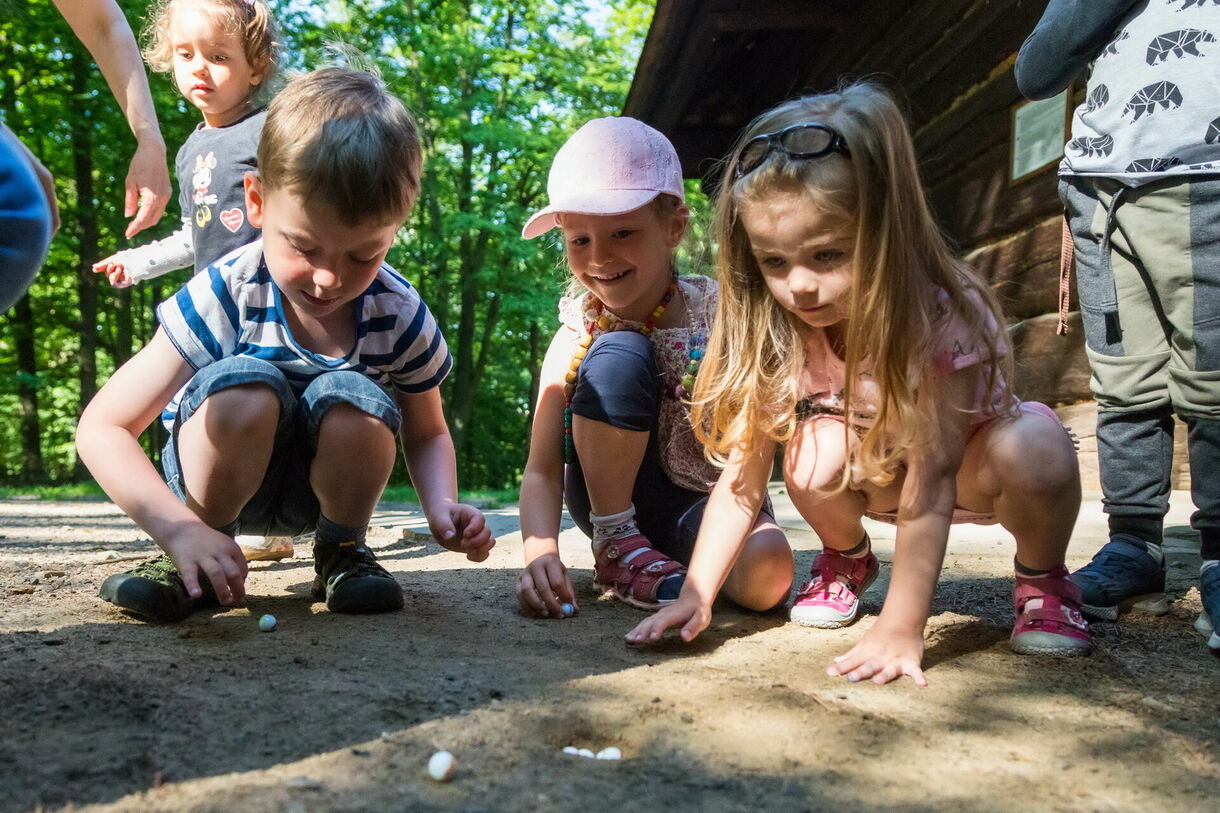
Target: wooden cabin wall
(957, 58)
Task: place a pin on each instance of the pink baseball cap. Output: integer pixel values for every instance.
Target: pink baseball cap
(609, 166)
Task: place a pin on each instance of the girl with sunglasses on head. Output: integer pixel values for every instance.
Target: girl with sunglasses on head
(847, 331)
(611, 434)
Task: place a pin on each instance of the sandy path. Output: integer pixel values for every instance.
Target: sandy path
(341, 713)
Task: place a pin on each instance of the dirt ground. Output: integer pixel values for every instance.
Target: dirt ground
(341, 713)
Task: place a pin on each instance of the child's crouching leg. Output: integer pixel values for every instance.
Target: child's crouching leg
(225, 443)
(353, 422)
(1027, 467)
(813, 465)
(762, 577)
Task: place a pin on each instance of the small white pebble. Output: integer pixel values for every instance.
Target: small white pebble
(610, 753)
(572, 750)
(267, 623)
(585, 752)
(441, 766)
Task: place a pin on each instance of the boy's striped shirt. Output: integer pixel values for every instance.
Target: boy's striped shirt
(233, 308)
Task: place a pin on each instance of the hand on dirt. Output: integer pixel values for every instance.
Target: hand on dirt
(202, 550)
(114, 270)
(463, 529)
(544, 587)
(688, 611)
(883, 655)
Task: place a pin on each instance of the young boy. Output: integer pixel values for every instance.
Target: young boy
(285, 370)
(1140, 181)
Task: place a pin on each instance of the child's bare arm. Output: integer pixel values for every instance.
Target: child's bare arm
(894, 645)
(428, 449)
(544, 584)
(727, 520)
(107, 439)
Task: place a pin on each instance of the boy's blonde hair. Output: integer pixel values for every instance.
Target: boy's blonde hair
(250, 20)
(336, 135)
(750, 379)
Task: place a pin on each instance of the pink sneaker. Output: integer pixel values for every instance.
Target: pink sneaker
(1057, 627)
(831, 598)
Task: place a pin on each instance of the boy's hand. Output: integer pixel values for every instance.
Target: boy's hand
(688, 611)
(202, 550)
(544, 587)
(114, 270)
(883, 654)
(463, 529)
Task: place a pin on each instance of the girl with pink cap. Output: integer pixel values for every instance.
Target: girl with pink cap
(611, 433)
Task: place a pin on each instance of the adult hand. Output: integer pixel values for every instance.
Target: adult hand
(148, 186)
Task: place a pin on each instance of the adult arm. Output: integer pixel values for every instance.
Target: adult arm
(103, 29)
(544, 584)
(1070, 35)
(428, 449)
(107, 439)
(730, 514)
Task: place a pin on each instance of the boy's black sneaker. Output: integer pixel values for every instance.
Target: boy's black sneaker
(350, 580)
(154, 590)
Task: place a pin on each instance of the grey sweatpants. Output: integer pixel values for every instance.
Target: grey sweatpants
(1148, 276)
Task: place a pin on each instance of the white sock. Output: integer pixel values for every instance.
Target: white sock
(615, 526)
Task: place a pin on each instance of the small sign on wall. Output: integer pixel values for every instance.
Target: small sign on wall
(1039, 131)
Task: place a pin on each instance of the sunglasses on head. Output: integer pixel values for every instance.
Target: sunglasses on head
(800, 141)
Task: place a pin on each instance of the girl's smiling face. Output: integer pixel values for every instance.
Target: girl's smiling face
(210, 65)
(804, 255)
(624, 260)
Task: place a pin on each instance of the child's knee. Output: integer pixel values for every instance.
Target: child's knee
(242, 409)
(815, 456)
(349, 401)
(1035, 455)
(763, 573)
(618, 382)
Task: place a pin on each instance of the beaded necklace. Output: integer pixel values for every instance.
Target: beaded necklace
(601, 323)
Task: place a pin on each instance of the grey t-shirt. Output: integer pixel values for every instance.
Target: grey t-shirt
(1152, 108)
(212, 165)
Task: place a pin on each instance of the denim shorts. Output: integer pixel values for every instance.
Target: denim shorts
(284, 504)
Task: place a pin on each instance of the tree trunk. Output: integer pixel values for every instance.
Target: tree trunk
(87, 231)
(535, 370)
(33, 466)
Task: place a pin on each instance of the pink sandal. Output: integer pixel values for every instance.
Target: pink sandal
(831, 597)
(1055, 628)
(636, 582)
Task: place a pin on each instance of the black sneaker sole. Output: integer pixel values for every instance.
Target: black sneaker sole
(360, 594)
(146, 598)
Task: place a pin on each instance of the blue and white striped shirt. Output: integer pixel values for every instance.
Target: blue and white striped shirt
(233, 308)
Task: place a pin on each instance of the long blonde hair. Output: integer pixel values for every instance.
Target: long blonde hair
(749, 383)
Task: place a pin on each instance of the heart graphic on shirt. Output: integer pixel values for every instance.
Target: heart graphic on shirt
(232, 218)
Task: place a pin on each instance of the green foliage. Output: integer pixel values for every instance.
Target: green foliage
(496, 87)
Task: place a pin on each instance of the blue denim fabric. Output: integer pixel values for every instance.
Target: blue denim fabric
(25, 222)
(284, 504)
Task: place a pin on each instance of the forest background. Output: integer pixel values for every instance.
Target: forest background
(496, 87)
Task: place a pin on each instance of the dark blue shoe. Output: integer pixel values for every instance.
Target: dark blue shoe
(1122, 576)
(1209, 588)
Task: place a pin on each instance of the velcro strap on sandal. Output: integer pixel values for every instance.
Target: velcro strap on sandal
(1056, 583)
(639, 577)
(1052, 616)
